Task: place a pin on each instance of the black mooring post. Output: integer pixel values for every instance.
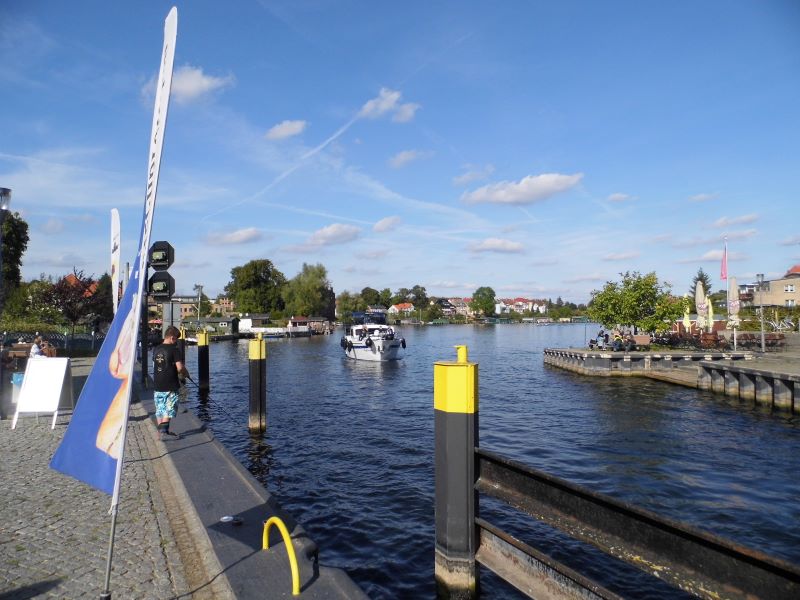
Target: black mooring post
(455, 400)
(257, 422)
(202, 360)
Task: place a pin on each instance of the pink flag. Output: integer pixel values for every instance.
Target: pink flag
(723, 272)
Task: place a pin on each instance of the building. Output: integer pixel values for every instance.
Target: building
(403, 309)
(784, 292)
(223, 305)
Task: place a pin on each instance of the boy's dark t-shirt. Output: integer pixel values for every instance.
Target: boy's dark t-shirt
(165, 373)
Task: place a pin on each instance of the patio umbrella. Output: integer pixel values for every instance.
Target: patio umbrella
(710, 309)
(700, 305)
(733, 307)
(687, 321)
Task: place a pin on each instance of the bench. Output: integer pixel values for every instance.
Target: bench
(641, 341)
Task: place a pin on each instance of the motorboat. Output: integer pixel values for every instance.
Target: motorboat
(372, 339)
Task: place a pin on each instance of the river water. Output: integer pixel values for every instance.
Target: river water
(349, 446)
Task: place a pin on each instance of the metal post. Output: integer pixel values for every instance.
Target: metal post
(143, 337)
(202, 360)
(760, 278)
(257, 422)
(455, 402)
(5, 202)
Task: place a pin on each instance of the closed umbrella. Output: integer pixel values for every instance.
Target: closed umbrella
(710, 314)
(733, 307)
(700, 305)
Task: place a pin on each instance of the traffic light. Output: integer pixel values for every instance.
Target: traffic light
(161, 286)
(161, 256)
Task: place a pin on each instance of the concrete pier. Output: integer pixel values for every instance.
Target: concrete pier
(772, 381)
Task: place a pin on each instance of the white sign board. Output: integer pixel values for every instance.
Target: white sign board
(47, 381)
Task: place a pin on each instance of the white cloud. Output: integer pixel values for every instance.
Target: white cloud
(618, 197)
(53, 226)
(792, 241)
(703, 197)
(386, 224)
(727, 222)
(621, 256)
(497, 245)
(286, 129)
(405, 112)
(473, 173)
(714, 255)
(401, 159)
(388, 102)
(337, 233)
(585, 278)
(532, 188)
(240, 236)
(372, 254)
(190, 84)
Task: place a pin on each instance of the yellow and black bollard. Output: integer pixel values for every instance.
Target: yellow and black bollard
(455, 402)
(257, 422)
(202, 360)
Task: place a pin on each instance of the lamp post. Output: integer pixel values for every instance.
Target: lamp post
(5, 202)
(760, 278)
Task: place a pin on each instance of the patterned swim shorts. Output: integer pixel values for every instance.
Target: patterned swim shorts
(166, 404)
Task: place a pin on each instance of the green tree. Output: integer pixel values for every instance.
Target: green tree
(32, 302)
(256, 287)
(386, 298)
(309, 292)
(433, 311)
(75, 298)
(419, 297)
(103, 299)
(483, 301)
(701, 276)
(371, 296)
(638, 301)
(347, 303)
(401, 295)
(15, 242)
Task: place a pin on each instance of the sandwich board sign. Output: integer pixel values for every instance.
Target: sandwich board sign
(46, 386)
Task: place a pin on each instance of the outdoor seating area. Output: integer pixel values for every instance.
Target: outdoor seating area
(752, 341)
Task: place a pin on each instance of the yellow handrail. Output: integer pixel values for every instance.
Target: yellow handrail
(289, 549)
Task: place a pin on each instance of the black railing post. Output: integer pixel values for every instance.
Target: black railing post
(257, 422)
(455, 400)
(202, 360)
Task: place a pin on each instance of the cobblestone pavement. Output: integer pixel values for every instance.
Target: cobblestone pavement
(54, 529)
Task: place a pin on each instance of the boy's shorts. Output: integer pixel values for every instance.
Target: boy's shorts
(166, 404)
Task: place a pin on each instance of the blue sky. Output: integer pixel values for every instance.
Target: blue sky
(539, 148)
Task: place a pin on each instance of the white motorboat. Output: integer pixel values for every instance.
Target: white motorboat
(372, 341)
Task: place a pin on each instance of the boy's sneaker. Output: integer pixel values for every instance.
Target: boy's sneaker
(169, 435)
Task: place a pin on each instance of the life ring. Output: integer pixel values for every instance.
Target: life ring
(403, 343)
(368, 342)
(349, 346)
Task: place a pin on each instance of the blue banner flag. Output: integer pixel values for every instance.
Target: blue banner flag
(93, 445)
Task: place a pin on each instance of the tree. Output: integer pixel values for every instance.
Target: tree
(309, 292)
(401, 295)
(386, 297)
(32, 302)
(371, 296)
(15, 242)
(104, 301)
(346, 304)
(638, 301)
(483, 301)
(419, 297)
(74, 297)
(256, 287)
(701, 276)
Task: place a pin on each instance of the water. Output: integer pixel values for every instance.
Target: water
(349, 450)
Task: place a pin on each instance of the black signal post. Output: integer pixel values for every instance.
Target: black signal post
(161, 286)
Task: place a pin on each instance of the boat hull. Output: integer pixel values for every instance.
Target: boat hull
(378, 350)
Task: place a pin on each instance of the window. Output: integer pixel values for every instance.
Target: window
(790, 303)
(789, 288)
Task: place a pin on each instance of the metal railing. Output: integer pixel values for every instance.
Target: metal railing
(690, 559)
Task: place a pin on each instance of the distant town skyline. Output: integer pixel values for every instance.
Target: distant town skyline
(536, 148)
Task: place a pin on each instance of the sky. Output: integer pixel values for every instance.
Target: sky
(539, 148)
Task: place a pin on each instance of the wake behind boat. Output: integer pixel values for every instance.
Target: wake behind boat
(372, 339)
